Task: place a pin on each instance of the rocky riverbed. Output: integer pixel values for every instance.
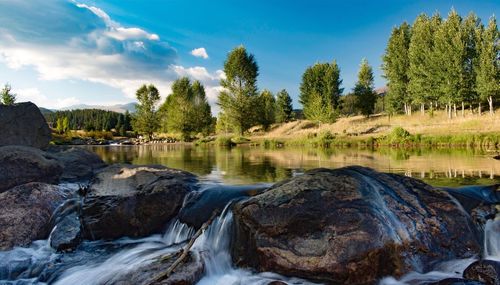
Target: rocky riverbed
(68, 218)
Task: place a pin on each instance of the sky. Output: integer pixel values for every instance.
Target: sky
(59, 53)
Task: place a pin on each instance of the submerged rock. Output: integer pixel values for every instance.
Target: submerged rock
(350, 225)
(200, 205)
(78, 163)
(456, 281)
(187, 273)
(25, 213)
(22, 164)
(23, 124)
(134, 201)
(487, 271)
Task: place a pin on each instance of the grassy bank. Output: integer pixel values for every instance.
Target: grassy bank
(399, 131)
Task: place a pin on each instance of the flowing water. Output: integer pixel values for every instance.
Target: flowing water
(102, 262)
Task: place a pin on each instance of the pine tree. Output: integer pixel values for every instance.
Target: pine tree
(267, 109)
(363, 90)
(488, 73)
(145, 119)
(65, 125)
(284, 107)
(395, 66)
(238, 100)
(7, 97)
(470, 29)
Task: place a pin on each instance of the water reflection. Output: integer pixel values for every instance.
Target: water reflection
(243, 165)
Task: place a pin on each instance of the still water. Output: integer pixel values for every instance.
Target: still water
(247, 164)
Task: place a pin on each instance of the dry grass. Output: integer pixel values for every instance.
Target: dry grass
(378, 125)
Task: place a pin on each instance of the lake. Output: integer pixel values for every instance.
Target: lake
(250, 164)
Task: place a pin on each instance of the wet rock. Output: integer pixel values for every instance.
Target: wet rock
(134, 201)
(472, 197)
(487, 271)
(78, 163)
(67, 235)
(23, 124)
(200, 205)
(25, 213)
(456, 281)
(350, 225)
(22, 164)
(188, 273)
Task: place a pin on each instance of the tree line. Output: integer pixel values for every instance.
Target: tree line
(90, 120)
(438, 62)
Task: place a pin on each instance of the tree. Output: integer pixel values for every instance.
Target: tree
(267, 109)
(238, 100)
(449, 58)
(470, 28)
(65, 125)
(320, 88)
(284, 107)
(488, 73)
(186, 110)
(363, 90)
(395, 66)
(7, 97)
(145, 119)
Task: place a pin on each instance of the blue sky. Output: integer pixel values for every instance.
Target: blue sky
(63, 52)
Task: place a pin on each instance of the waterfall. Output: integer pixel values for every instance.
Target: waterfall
(492, 239)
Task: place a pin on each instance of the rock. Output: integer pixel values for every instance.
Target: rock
(78, 163)
(200, 205)
(23, 124)
(456, 281)
(188, 273)
(134, 201)
(474, 196)
(21, 164)
(487, 271)
(66, 235)
(351, 225)
(25, 213)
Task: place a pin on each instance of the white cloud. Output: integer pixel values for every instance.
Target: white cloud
(82, 42)
(34, 95)
(200, 52)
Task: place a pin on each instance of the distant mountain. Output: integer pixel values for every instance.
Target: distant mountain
(120, 108)
(45, 111)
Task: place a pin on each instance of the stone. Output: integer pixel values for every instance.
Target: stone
(351, 225)
(25, 213)
(133, 201)
(486, 271)
(66, 235)
(23, 124)
(78, 163)
(22, 164)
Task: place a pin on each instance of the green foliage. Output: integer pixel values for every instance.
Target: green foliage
(7, 97)
(91, 120)
(395, 66)
(320, 92)
(239, 101)
(284, 107)
(267, 107)
(363, 90)
(145, 119)
(348, 104)
(488, 73)
(186, 111)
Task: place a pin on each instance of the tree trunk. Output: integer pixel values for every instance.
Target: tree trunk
(422, 108)
(463, 109)
(490, 102)
(479, 110)
(406, 109)
(471, 109)
(455, 109)
(409, 109)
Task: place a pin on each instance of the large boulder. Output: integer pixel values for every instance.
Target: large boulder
(25, 213)
(22, 164)
(134, 201)
(350, 225)
(78, 163)
(23, 124)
